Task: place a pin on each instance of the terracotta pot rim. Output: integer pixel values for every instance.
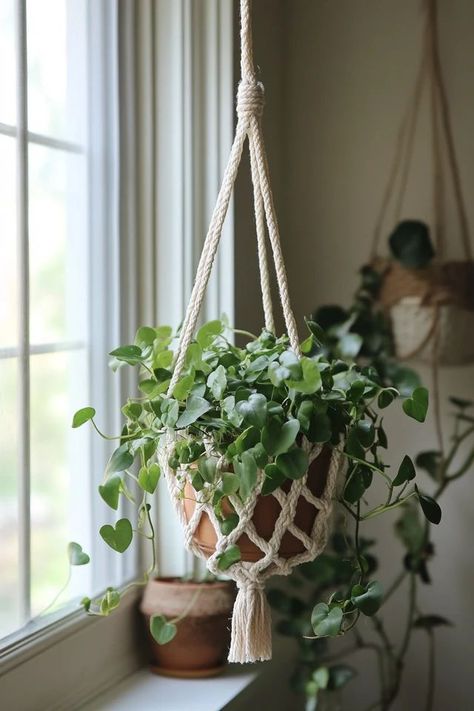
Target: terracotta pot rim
(209, 584)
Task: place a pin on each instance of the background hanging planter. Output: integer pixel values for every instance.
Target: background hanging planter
(430, 299)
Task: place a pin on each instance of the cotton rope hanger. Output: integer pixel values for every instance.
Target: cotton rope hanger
(430, 76)
(251, 620)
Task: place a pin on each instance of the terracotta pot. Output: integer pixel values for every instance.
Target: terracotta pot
(202, 641)
(265, 515)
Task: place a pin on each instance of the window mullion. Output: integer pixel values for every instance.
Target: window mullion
(24, 458)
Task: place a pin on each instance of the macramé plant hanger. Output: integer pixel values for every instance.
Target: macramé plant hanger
(431, 306)
(297, 513)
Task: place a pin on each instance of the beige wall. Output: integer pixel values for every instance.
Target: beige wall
(338, 73)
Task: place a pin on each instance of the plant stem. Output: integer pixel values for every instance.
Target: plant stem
(431, 671)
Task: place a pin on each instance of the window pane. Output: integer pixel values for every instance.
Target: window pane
(9, 588)
(8, 257)
(7, 62)
(58, 246)
(57, 68)
(59, 474)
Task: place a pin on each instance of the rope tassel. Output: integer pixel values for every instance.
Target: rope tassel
(251, 625)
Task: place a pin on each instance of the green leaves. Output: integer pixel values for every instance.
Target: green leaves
(76, 555)
(109, 602)
(416, 406)
(208, 333)
(294, 464)
(120, 460)
(118, 537)
(311, 378)
(406, 471)
(358, 482)
(148, 477)
(132, 355)
(82, 416)
(278, 438)
(430, 507)
(246, 469)
(411, 245)
(217, 382)
(326, 621)
(228, 557)
(110, 491)
(195, 407)
(253, 410)
(274, 478)
(367, 599)
(161, 630)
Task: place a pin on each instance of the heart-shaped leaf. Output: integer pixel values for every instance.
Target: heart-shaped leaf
(208, 468)
(110, 491)
(357, 484)
(416, 406)
(311, 378)
(82, 416)
(195, 408)
(145, 336)
(246, 469)
(208, 333)
(430, 508)
(228, 557)
(128, 354)
(230, 483)
(76, 555)
(120, 537)
(183, 387)
(274, 478)
(326, 621)
(278, 438)
(110, 601)
(217, 382)
(148, 477)
(386, 397)
(120, 460)
(161, 630)
(406, 471)
(294, 464)
(368, 599)
(253, 410)
(228, 524)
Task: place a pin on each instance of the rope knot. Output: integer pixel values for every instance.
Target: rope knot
(250, 98)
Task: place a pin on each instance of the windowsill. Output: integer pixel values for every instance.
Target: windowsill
(145, 691)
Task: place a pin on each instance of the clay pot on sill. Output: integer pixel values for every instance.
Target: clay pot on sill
(202, 641)
(267, 510)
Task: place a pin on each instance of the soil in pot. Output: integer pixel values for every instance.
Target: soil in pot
(202, 641)
(266, 512)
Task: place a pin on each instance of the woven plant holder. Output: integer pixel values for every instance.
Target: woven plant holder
(431, 309)
(290, 526)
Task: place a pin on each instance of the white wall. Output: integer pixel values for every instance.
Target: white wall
(340, 72)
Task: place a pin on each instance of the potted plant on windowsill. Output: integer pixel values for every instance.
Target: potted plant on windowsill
(254, 423)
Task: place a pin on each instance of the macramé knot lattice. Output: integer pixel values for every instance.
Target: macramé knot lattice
(250, 98)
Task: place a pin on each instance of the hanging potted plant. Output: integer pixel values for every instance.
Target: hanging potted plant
(428, 297)
(251, 440)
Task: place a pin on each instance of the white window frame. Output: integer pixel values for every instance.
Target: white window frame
(195, 57)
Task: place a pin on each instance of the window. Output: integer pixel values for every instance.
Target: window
(58, 298)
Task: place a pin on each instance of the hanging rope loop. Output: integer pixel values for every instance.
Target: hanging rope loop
(250, 99)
